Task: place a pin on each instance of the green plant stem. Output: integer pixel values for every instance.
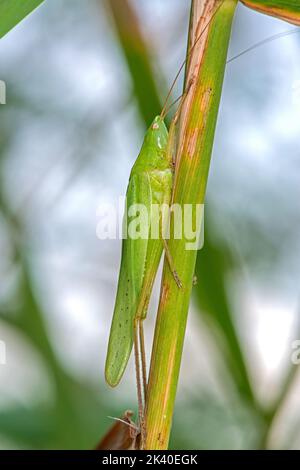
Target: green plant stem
(204, 80)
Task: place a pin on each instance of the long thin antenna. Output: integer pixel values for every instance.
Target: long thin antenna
(187, 56)
(237, 56)
(168, 109)
(263, 42)
(240, 54)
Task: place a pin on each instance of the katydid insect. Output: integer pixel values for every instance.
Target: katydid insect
(150, 182)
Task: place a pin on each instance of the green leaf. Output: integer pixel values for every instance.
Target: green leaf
(13, 11)
(288, 10)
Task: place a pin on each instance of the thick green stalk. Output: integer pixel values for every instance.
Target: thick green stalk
(204, 80)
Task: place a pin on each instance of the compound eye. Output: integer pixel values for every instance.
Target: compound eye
(155, 126)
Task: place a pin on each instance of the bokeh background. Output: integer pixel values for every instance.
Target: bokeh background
(84, 79)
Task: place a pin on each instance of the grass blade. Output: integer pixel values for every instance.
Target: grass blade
(13, 11)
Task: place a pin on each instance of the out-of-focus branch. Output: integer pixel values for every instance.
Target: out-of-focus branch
(136, 52)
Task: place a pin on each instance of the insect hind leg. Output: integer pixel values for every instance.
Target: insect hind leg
(140, 368)
(143, 356)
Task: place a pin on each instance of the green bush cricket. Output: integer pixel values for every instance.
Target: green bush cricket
(150, 182)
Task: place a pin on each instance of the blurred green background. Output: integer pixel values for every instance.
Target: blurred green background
(83, 81)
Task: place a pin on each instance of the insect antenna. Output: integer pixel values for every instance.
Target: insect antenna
(263, 42)
(168, 109)
(267, 40)
(163, 113)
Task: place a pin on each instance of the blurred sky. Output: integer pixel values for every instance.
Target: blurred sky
(76, 133)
